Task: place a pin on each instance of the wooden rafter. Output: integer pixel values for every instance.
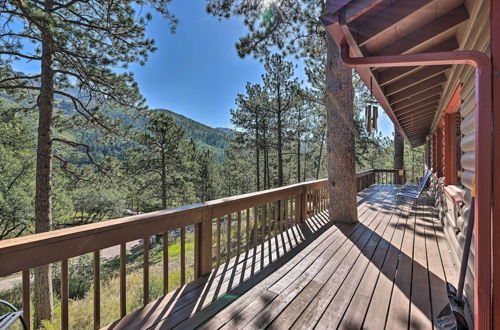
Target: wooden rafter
(413, 103)
(391, 75)
(426, 32)
(418, 88)
(386, 18)
(416, 110)
(415, 78)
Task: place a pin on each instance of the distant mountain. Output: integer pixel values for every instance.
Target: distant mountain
(215, 137)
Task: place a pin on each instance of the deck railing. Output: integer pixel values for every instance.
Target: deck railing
(223, 228)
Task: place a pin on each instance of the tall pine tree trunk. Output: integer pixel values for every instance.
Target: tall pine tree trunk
(257, 152)
(340, 137)
(399, 152)
(280, 149)
(320, 157)
(43, 298)
(298, 156)
(163, 180)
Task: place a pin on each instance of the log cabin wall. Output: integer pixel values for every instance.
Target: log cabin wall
(453, 201)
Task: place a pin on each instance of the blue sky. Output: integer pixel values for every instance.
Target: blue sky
(196, 71)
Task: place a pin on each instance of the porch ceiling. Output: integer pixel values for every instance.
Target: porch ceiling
(411, 96)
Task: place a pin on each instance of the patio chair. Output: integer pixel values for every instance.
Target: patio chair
(6, 320)
(415, 191)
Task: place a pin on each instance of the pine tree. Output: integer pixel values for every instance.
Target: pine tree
(294, 27)
(77, 44)
(283, 91)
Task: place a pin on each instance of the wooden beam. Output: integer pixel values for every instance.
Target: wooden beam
(415, 78)
(439, 149)
(391, 75)
(430, 30)
(386, 18)
(455, 101)
(411, 103)
(412, 121)
(418, 88)
(418, 121)
(415, 110)
(495, 57)
(423, 114)
(419, 138)
(357, 8)
(450, 149)
(412, 131)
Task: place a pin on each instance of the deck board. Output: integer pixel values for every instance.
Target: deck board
(387, 271)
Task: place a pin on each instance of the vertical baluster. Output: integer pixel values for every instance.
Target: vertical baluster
(321, 199)
(324, 199)
(269, 219)
(238, 247)
(123, 279)
(183, 255)
(97, 289)
(315, 201)
(255, 226)
(285, 207)
(26, 298)
(64, 294)
(262, 225)
(165, 262)
(275, 204)
(217, 237)
(247, 230)
(228, 243)
(145, 265)
(280, 208)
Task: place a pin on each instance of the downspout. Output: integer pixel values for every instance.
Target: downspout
(483, 156)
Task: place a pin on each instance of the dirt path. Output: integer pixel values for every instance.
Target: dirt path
(13, 280)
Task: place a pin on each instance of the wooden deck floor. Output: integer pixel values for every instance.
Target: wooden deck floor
(386, 271)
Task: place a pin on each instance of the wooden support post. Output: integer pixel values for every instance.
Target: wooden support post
(26, 298)
(183, 256)
(123, 279)
(303, 205)
(165, 262)
(145, 265)
(64, 295)
(204, 247)
(450, 149)
(97, 290)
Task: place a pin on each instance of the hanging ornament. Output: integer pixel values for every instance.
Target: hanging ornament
(371, 112)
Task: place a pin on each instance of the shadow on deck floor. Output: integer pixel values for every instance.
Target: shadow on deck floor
(386, 271)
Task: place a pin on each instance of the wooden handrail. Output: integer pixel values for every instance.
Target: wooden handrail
(275, 208)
